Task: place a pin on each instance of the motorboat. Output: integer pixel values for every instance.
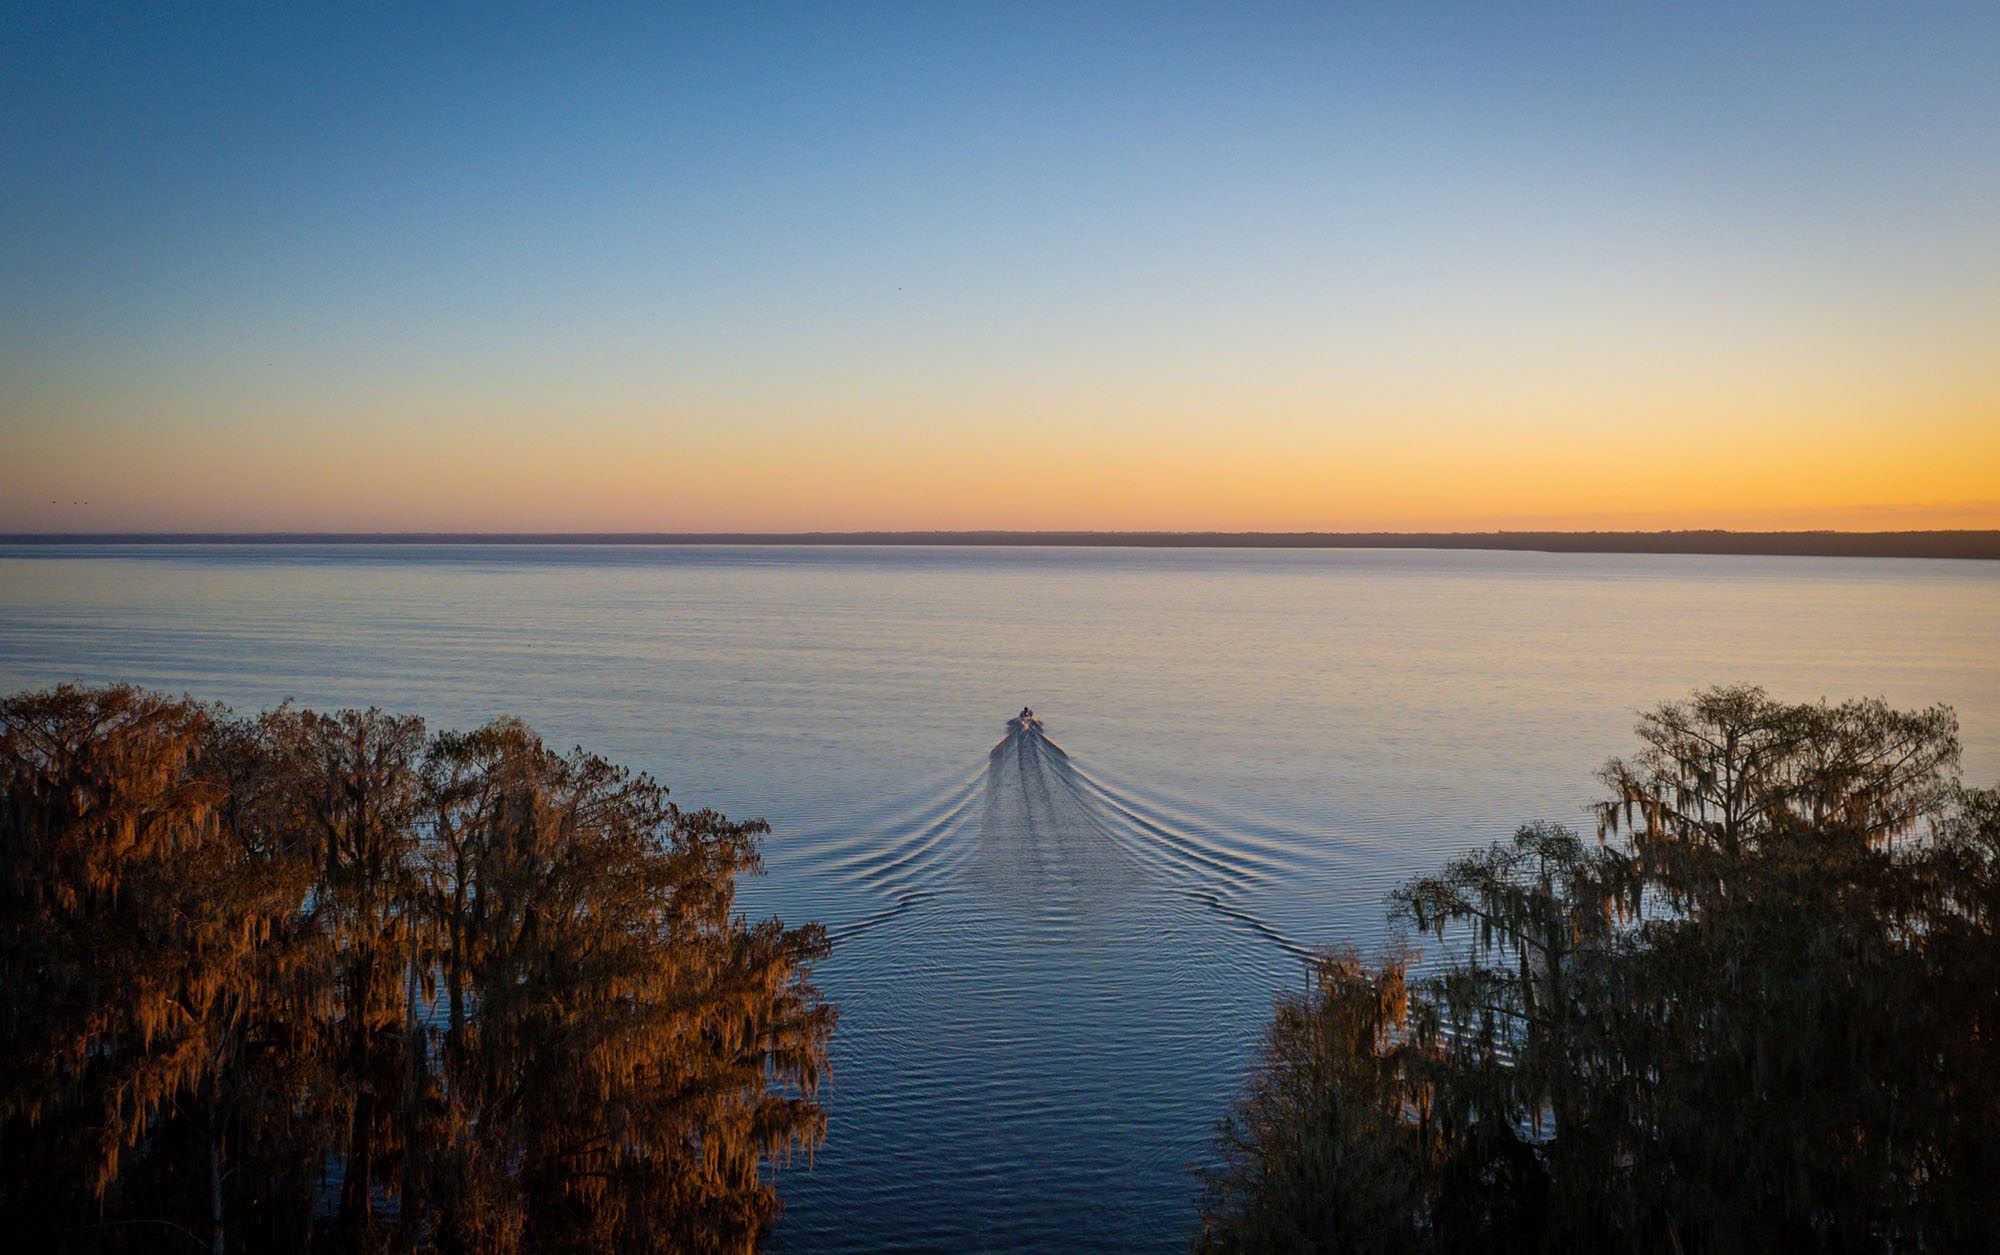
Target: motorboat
(1024, 722)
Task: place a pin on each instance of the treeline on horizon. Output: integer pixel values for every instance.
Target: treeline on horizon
(1944, 543)
(326, 982)
(1760, 1012)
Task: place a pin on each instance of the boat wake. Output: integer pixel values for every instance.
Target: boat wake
(1038, 836)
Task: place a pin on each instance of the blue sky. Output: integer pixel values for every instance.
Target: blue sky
(485, 266)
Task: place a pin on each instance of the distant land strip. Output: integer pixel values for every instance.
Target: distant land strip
(1923, 544)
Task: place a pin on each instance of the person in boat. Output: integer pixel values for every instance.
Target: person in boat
(1026, 714)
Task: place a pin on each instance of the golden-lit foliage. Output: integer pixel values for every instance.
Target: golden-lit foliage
(1760, 1015)
(130, 925)
(321, 982)
(596, 955)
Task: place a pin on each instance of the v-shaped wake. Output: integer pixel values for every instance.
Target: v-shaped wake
(1036, 834)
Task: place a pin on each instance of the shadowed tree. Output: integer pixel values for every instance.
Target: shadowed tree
(1322, 1152)
(1506, 1035)
(1961, 965)
(1758, 1015)
(1787, 857)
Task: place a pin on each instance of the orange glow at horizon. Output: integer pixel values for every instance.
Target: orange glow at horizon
(1186, 469)
(1328, 271)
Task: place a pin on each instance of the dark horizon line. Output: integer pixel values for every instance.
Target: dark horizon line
(1936, 543)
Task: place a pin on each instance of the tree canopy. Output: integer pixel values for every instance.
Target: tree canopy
(1760, 1012)
(323, 982)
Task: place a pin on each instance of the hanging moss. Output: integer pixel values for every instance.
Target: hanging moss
(321, 982)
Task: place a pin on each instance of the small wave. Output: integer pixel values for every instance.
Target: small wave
(1256, 924)
(903, 906)
(1050, 825)
(1042, 839)
(1046, 841)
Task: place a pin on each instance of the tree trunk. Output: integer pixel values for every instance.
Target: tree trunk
(355, 1204)
(413, 1104)
(215, 1240)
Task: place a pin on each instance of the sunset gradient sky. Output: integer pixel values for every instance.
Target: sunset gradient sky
(1332, 266)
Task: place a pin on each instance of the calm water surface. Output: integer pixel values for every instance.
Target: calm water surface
(1053, 952)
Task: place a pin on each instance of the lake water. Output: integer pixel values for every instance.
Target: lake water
(1053, 952)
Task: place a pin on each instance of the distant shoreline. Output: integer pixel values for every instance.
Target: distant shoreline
(1911, 544)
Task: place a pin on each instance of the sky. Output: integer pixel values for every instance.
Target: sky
(1339, 266)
